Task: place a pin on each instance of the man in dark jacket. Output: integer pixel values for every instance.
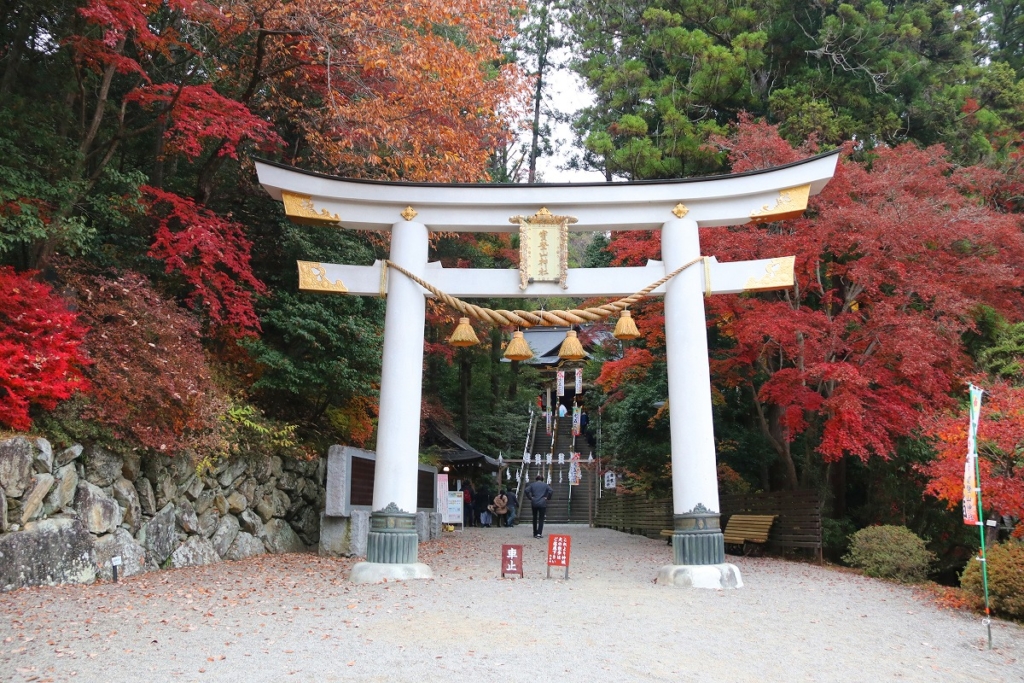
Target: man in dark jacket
(538, 493)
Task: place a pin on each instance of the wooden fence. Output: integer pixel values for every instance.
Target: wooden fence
(798, 524)
(799, 517)
(634, 514)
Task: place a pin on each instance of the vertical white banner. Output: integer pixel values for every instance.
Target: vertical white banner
(972, 427)
(971, 513)
(579, 380)
(561, 383)
(441, 502)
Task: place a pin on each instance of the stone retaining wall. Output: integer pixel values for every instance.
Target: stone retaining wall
(64, 516)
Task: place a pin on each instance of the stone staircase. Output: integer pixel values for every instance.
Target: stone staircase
(565, 507)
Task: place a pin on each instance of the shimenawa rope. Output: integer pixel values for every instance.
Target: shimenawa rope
(543, 318)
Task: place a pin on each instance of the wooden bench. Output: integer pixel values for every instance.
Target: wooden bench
(743, 529)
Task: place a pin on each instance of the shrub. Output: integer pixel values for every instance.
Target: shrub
(835, 536)
(890, 552)
(1005, 578)
(152, 386)
(730, 481)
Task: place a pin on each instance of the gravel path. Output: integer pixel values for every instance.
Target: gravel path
(296, 618)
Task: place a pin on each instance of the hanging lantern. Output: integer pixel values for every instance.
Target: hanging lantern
(571, 348)
(518, 349)
(625, 328)
(463, 334)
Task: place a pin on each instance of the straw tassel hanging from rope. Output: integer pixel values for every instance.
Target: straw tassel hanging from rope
(571, 348)
(625, 328)
(463, 334)
(518, 349)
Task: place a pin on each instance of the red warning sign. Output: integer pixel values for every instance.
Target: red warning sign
(559, 547)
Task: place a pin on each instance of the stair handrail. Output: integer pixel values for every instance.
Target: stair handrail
(530, 434)
(531, 438)
(554, 439)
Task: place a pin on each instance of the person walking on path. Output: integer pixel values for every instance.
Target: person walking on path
(539, 493)
(513, 506)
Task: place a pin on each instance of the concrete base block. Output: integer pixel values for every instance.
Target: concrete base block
(700, 576)
(344, 536)
(376, 572)
(335, 540)
(435, 525)
(359, 532)
(423, 526)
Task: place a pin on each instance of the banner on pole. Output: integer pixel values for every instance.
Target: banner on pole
(561, 383)
(971, 485)
(970, 493)
(579, 380)
(441, 499)
(975, 415)
(576, 413)
(547, 419)
(574, 470)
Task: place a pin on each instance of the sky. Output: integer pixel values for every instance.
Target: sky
(568, 94)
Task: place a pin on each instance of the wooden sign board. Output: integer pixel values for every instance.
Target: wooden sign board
(559, 546)
(511, 560)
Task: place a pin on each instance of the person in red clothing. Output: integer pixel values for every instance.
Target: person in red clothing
(467, 505)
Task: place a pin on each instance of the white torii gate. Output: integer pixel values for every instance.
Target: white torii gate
(676, 207)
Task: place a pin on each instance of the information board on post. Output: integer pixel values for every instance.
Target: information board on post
(454, 508)
(512, 560)
(559, 546)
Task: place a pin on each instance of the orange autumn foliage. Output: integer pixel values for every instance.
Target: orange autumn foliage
(401, 91)
(1000, 442)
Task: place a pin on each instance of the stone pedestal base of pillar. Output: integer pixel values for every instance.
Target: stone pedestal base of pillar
(392, 538)
(697, 538)
(700, 576)
(376, 572)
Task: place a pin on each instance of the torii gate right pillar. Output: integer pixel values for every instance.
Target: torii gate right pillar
(697, 542)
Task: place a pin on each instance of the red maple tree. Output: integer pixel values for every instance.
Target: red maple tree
(891, 260)
(212, 254)
(41, 353)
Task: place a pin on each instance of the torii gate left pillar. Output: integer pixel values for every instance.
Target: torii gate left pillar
(772, 194)
(391, 547)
